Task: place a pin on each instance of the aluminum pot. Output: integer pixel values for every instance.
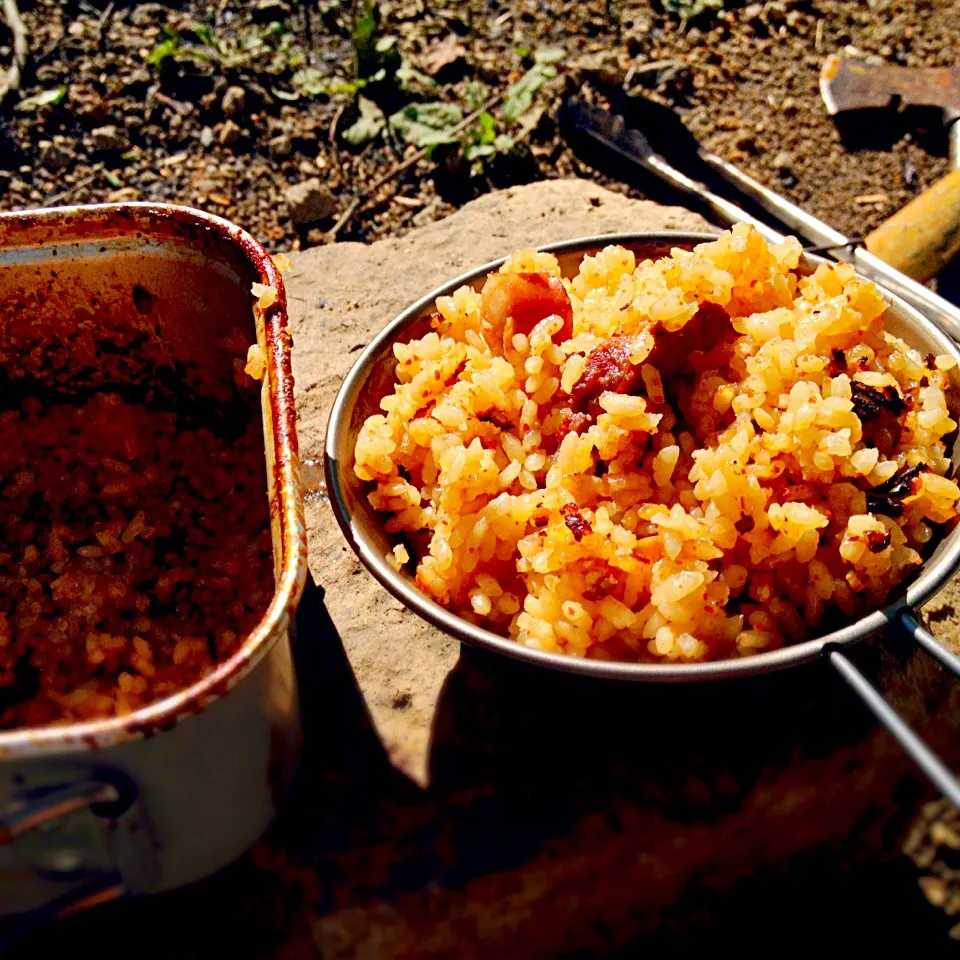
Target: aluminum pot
(372, 377)
(172, 792)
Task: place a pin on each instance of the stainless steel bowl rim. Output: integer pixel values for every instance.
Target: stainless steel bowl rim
(933, 576)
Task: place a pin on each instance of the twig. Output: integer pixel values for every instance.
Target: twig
(398, 168)
(332, 134)
(11, 81)
(73, 188)
(102, 22)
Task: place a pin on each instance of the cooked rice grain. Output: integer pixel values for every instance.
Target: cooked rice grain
(717, 455)
(135, 554)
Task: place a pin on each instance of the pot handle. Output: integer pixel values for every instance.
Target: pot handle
(121, 844)
(936, 771)
(21, 816)
(100, 890)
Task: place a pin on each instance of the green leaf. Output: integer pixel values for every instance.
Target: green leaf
(426, 124)
(113, 180)
(289, 96)
(312, 83)
(45, 98)
(488, 128)
(523, 52)
(251, 41)
(164, 50)
(368, 125)
(474, 151)
(549, 55)
(205, 35)
(476, 94)
(412, 80)
(688, 9)
(364, 37)
(519, 97)
(364, 30)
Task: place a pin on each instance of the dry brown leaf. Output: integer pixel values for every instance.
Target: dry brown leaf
(445, 53)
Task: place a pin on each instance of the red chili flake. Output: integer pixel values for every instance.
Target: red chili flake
(576, 524)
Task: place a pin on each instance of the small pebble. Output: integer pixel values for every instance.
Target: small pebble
(783, 161)
(280, 147)
(229, 133)
(233, 102)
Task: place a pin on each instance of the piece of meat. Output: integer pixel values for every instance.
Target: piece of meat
(707, 329)
(512, 303)
(573, 423)
(608, 368)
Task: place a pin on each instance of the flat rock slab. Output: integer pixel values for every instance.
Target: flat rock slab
(454, 804)
(340, 296)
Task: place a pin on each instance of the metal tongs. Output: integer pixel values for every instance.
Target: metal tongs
(584, 122)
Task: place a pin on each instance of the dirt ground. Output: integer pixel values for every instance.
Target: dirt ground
(228, 104)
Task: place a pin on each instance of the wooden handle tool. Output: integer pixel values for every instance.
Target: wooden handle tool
(924, 236)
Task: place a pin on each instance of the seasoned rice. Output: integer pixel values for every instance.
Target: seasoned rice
(702, 456)
(135, 554)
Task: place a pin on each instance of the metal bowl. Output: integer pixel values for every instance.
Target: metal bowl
(372, 377)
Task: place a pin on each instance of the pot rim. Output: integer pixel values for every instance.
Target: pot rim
(89, 222)
(934, 573)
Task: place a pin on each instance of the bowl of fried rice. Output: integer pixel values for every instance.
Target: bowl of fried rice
(669, 456)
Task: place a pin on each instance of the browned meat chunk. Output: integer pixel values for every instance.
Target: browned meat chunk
(513, 303)
(573, 423)
(608, 368)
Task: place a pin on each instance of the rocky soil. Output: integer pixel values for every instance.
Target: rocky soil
(274, 113)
